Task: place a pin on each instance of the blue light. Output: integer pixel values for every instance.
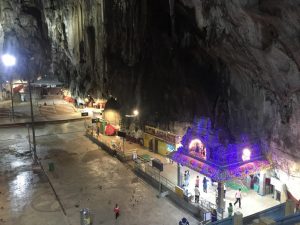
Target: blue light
(220, 151)
(170, 148)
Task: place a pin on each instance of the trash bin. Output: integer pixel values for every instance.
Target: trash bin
(51, 166)
(85, 217)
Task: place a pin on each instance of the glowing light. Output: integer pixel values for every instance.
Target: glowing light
(194, 143)
(8, 60)
(246, 154)
(135, 112)
(170, 148)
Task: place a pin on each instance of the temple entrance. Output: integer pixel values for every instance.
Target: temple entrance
(197, 149)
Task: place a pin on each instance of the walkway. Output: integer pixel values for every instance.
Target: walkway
(251, 201)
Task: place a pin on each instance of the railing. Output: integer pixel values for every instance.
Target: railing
(227, 221)
(275, 213)
(207, 205)
(292, 219)
(156, 175)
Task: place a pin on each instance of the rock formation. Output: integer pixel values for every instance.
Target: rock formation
(235, 61)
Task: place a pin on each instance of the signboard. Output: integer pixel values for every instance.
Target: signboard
(121, 134)
(84, 114)
(95, 120)
(179, 191)
(164, 135)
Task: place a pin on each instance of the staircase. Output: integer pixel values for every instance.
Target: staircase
(65, 109)
(47, 110)
(60, 109)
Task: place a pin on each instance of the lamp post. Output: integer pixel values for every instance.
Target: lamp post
(9, 61)
(32, 123)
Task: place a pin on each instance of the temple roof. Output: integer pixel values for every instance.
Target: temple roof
(217, 173)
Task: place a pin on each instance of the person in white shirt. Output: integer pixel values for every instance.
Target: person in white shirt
(238, 197)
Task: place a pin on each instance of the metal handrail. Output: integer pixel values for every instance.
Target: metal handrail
(156, 175)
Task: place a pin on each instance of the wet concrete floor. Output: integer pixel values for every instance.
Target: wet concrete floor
(84, 176)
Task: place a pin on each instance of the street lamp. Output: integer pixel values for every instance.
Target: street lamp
(135, 112)
(32, 119)
(9, 61)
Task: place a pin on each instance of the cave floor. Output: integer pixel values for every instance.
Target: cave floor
(26, 193)
(84, 176)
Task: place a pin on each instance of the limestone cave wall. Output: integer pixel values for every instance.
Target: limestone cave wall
(235, 61)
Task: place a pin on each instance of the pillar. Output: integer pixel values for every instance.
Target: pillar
(289, 207)
(178, 175)
(238, 218)
(221, 202)
(262, 183)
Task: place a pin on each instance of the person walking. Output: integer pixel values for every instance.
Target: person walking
(230, 209)
(197, 194)
(238, 197)
(204, 185)
(117, 211)
(197, 181)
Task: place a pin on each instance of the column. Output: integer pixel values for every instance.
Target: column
(262, 183)
(238, 218)
(290, 206)
(178, 175)
(221, 202)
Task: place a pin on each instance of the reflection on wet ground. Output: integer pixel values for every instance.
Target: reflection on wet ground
(20, 190)
(16, 167)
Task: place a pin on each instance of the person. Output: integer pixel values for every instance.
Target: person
(187, 181)
(205, 185)
(117, 211)
(214, 216)
(184, 178)
(197, 194)
(230, 210)
(238, 196)
(197, 181)
(224, 190)
(184, 221)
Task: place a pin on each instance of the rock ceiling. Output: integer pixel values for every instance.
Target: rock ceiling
(236, 61)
